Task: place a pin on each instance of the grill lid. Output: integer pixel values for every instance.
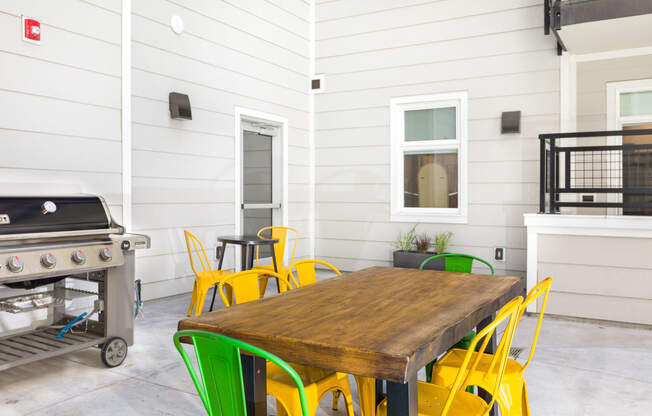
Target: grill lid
(60, 215)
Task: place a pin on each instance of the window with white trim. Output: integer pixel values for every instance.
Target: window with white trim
(428, 158)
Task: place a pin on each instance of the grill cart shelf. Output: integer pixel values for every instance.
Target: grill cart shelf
(33, 346)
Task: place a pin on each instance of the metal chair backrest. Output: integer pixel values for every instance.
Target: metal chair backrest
(245, 285)
(280, 234)
(498, 363)
(219, 383)
(193, 242)
(461, 263)
(541, 289)
(306, 272)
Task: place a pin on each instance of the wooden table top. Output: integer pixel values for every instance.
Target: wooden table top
(380, 322)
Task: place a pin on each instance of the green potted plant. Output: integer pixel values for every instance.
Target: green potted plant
(412, 249)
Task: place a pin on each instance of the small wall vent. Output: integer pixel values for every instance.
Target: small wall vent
(317, 83)
(180, 106)
(511, 122)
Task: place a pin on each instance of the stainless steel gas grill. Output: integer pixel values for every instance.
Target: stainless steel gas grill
(58, 253)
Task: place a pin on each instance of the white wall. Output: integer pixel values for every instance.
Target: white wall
(371, 51)
(251, 54)
(60, 106)
(60, 101)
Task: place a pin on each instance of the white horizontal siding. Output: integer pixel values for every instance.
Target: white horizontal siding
(60, 104)
(62, 46)
(367, 20)
(248, 54)
(598, 277)
(370, 52)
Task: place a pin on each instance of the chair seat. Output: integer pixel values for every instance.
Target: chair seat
(309, 375)
(433, 397)
(212, 277)
(317, 382)
(447, 368)
(281, 269)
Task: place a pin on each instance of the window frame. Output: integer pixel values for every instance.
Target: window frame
(398, 107)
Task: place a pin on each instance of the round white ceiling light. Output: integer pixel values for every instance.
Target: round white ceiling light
(176, 22)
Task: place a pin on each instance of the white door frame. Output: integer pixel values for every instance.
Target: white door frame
(249, 115)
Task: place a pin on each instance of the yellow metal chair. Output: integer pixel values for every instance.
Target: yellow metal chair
(513, 391)
(244, 286)
(306, 272)
(204, 278)
(281, 234)
(317, 382)
(435, 400)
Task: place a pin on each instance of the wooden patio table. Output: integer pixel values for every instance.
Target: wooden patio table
(382, 322)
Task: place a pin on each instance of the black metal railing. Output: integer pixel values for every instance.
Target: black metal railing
(621, 170)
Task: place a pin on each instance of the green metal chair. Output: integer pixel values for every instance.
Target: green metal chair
(220, 383)
(461, 263)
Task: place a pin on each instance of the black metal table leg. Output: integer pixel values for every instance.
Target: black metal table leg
(254, 376)
(219, 267)
(380, 391)
(250, 257)
(402, 398)
(278, 284)
(243, 257)
(491, 349)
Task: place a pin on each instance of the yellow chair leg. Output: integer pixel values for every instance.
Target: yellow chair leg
(525, 403)
(262, 284)
(349, 404)
(367, 395)
(193, 298)
(201, 298)
(336, 398)
(228, 290)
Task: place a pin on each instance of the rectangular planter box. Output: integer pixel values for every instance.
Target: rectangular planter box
(413, 259)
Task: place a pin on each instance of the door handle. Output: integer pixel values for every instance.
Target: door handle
(260, 206)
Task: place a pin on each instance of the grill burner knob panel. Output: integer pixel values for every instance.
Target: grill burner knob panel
(15, 264)
(78, 257)
(105, 254)
(48, 260)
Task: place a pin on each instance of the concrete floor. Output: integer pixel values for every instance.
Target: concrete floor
(579, 369)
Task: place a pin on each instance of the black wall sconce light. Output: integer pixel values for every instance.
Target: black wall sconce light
(180, 106)
(511, 122)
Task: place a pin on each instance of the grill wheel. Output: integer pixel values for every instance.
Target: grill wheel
(114, 352)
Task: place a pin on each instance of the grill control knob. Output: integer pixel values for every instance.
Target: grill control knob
(105, 254)
(15, 264)
(48, 260)
(48, 207)
(78, 257)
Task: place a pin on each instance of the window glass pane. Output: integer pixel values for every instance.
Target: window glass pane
(430, 124)
(257, 168)
(636, 103)
(430, 179)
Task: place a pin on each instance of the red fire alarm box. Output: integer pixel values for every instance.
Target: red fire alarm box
(31, 30)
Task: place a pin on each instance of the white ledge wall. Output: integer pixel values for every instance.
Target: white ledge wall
(600, 265)
(370, 51)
